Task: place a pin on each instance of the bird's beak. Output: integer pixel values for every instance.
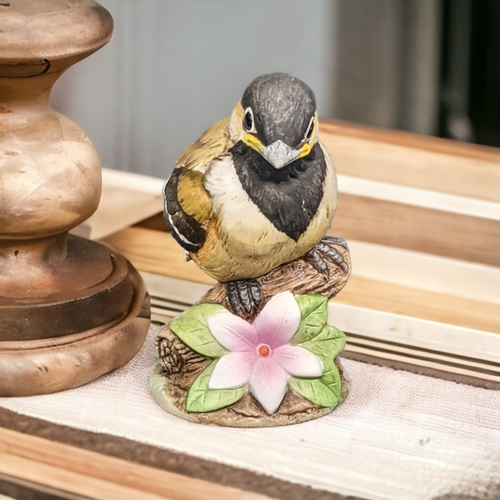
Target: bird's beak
(279, 154)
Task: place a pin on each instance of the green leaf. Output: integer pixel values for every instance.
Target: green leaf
(314, 390)
(314, 312)
(324, 391)
(331, 377)
(191, 327)
(327, 344)
(202, 399)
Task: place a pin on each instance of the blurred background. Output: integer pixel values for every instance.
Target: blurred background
(174, 67)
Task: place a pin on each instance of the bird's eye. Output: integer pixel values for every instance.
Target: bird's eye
(309, 132)
(248, 123)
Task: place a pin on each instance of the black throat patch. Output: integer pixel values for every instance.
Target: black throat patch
(288, 197)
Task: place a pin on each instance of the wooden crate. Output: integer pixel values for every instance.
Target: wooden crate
(422, 218)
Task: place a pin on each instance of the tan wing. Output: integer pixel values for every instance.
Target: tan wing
(194, 161)
(188, 205)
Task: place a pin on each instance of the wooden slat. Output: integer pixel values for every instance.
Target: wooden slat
(410, 140)
(412, 160)
(64, 480)
(100, 477)
(413, 219)
(416, 228)
(417, 303)
(157, 252)
(20, 489)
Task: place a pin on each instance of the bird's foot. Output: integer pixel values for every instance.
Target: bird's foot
(244, 294)
(332, 240)
(325, 250)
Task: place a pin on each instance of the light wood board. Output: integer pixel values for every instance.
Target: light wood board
(101, 477)
(411, 160)
(421, 229)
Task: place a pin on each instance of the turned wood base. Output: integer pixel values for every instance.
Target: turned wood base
(77, 333)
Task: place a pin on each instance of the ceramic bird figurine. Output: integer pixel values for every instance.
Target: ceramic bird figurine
(250, 203)
(256, 191)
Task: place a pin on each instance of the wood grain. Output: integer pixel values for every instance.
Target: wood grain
(416, 228)
(100, 477)
(412, 160)
(411, 140)
(423, 304)
(158, 458)
(157, 252)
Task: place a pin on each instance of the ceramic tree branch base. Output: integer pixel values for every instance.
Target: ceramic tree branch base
(274, 366)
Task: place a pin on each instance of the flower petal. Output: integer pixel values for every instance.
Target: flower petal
(298, 361)
(279, 320)
(268, 383)
(232, 332)
(232, 370)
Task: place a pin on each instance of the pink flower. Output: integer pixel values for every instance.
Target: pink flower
(260, 353)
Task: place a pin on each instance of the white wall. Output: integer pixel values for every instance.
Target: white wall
(174, 67)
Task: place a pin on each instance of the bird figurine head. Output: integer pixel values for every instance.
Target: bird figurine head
(276, 117)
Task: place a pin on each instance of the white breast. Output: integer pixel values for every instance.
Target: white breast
(241, 221)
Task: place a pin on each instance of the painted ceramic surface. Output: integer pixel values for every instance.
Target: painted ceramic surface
(250, 202)
(288, 344)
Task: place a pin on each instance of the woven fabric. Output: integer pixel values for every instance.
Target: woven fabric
(398, 436)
